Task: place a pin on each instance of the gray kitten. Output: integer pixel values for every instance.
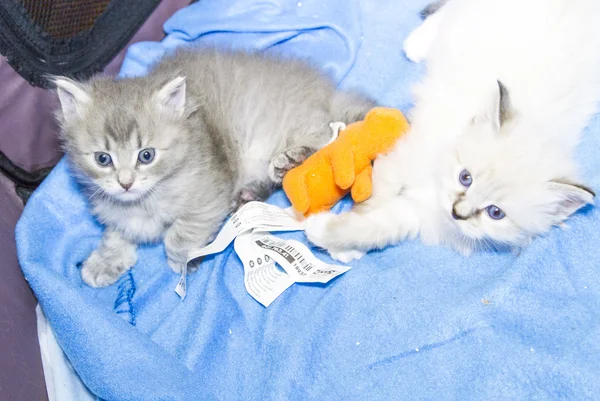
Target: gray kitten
(168, 156)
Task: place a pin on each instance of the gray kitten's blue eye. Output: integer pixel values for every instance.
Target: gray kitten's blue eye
(465, 178)
(495, 212)
(103, 159)
(146, 155)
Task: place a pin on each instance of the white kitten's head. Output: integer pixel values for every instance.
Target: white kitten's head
(502, 185)
(123, 137)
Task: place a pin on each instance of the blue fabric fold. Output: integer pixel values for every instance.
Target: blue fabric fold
(321, 31)
(408, 322)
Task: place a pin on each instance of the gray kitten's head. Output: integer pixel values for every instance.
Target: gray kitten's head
(123, 137)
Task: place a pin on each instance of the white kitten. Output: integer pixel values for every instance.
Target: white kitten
(489, 163)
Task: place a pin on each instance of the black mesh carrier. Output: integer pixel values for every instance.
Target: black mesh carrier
(76, 38)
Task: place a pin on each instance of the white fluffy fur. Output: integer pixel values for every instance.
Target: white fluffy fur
(547, 54)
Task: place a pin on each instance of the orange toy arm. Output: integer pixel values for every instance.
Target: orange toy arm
(363, 185)
(294, 185)
(342, 164)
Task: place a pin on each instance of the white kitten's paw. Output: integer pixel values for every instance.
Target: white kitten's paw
(346, 256)
(415, 48)
(419, 42)
(319, 233)
(103, 269)
(316, 228)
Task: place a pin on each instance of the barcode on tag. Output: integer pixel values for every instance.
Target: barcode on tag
(297, 260)
(289, 253)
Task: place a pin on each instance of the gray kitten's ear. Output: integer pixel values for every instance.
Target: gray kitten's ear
(498, 109)
(569, 198)
(73, 97)
(171, 96)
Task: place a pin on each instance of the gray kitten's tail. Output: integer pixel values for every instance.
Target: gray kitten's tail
(350, 107)
(433, 8)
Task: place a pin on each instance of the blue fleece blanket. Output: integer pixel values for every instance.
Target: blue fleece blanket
(409, 322)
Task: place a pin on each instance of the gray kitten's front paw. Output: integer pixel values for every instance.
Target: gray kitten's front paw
(176, 264)
(177, 257)
(101, 270)
(285, 161)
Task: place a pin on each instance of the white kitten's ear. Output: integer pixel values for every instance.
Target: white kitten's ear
(569, 198)
(498, 108)
(73, 97)
(171, 97)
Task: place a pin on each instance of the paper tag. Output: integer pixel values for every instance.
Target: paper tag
(255, 214)
(259, 252)
(181, 288)
(251, 215)
(263, 280)
(297, 260)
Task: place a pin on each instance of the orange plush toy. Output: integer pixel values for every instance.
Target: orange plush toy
(345, 164)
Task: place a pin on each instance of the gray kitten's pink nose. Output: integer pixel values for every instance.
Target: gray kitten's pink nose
(126, 186)
(125, 178)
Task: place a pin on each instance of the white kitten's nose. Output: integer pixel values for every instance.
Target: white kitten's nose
(455, 215)
(461, 210)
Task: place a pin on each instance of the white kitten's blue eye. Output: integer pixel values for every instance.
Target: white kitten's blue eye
(103, 159)
(465, 178)
(146, 156)
(495, 212)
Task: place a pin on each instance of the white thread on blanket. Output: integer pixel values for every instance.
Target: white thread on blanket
(336, 127)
